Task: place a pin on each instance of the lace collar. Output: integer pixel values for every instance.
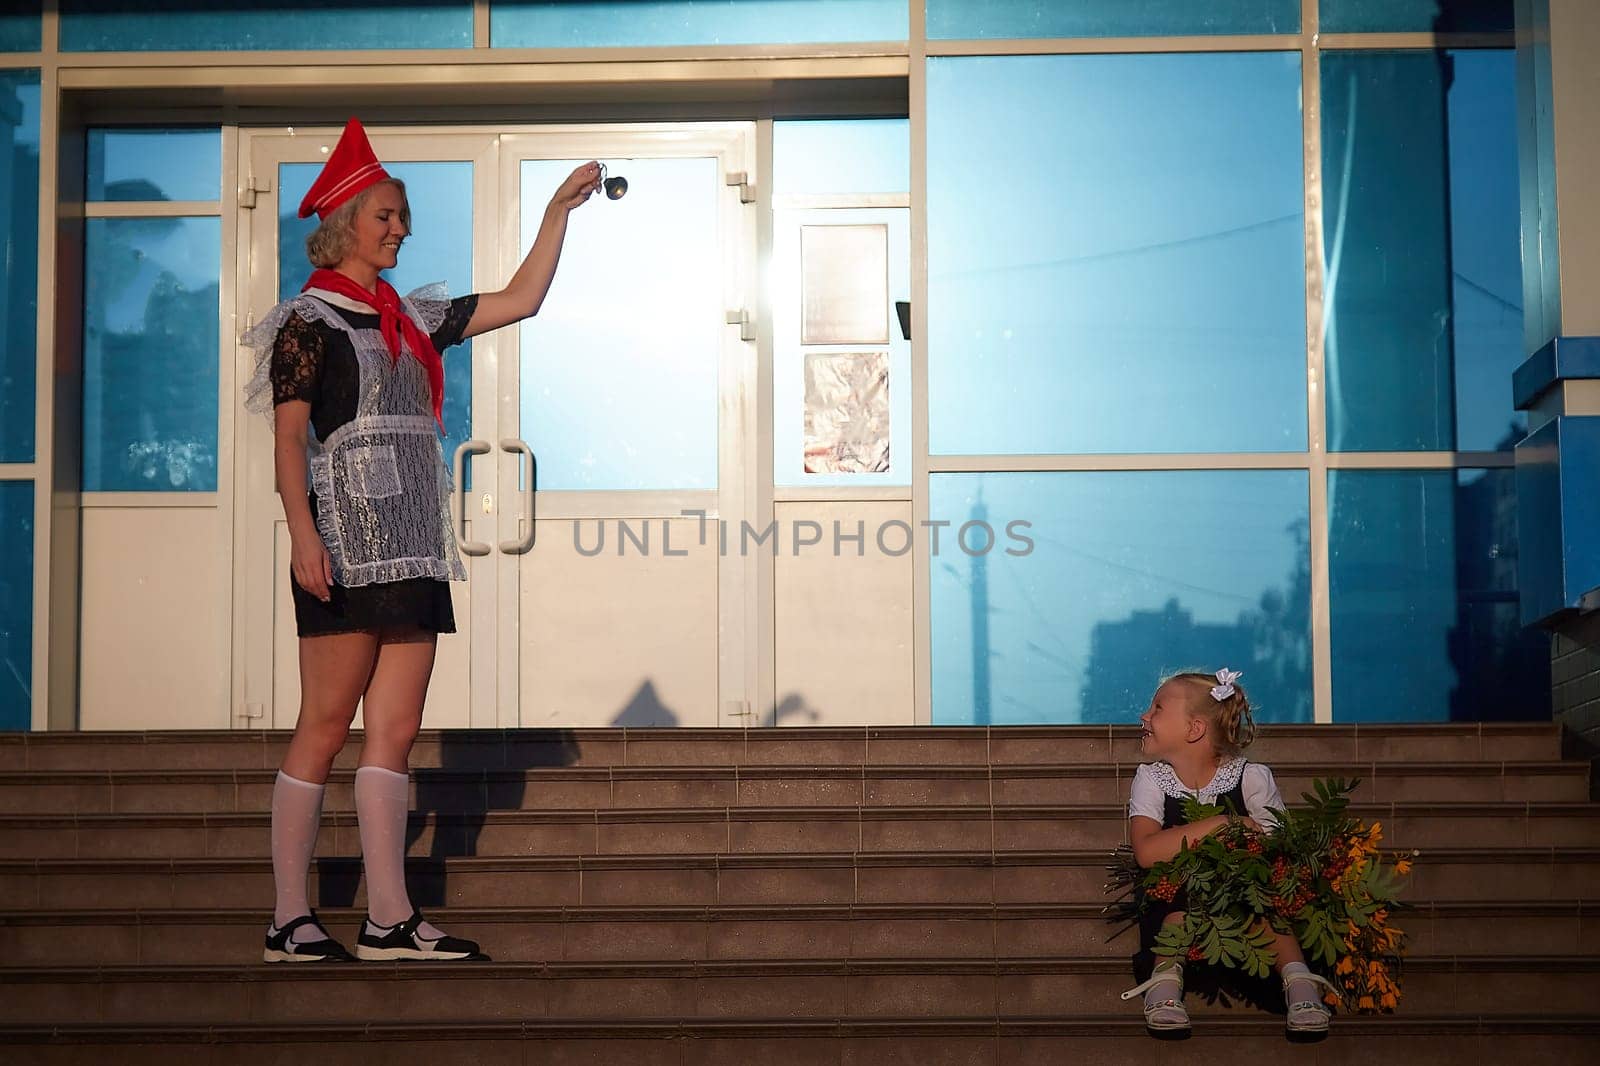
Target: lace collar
(337, 300)
(1227, 776)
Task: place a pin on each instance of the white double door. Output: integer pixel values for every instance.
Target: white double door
(591, 437)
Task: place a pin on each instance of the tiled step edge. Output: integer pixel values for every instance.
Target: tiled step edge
(1118, 1025)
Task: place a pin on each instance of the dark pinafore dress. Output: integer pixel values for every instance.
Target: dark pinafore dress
(1208, 981)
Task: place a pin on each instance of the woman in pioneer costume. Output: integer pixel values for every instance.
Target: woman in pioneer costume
(349, 372)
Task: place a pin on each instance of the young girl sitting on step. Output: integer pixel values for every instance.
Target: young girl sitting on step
(1194, 733)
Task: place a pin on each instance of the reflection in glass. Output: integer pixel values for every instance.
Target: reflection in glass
(1133, 575)
(20, 26)
(646, 23)
(969, 19)
(1422, 568)
(1423, 248)
(16, 604)
(19, 261)
(439, 249)
(620, 367)
(155, 164)
(150, 354)
(1128, 277)
(121, 26)
(820, 157)
(1420, 16)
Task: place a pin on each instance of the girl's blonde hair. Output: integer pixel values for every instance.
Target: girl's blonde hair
(1232, 727)
(335, 237)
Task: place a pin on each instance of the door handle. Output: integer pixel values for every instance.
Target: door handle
(521, 545)
(464, 449)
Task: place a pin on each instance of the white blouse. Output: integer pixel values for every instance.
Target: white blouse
(1154, 781)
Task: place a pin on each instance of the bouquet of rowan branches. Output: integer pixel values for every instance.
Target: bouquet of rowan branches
(1318, 874)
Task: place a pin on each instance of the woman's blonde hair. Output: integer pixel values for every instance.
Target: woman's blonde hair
(332, 241)
(1232, 727)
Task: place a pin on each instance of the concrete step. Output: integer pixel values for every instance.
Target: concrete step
(984, 877)
(1411, 1038)
(779, 988)
(648, 931)
(876, 746)
(577, 788)
(733, 830)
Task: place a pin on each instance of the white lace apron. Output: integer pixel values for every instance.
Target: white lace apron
(382, 487)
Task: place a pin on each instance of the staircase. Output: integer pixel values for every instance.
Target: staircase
(774, 896)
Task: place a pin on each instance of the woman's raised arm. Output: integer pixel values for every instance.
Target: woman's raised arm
(524, 294)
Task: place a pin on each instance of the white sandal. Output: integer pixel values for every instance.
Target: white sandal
(1163, 1015)
(1308, 1015)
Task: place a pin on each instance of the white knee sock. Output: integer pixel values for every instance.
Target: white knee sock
(383, 800)
(296, 817)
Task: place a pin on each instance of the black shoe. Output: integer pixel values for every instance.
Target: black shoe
(377, 943)
(281, 946)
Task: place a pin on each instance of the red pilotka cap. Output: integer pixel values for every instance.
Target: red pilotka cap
(352, 167)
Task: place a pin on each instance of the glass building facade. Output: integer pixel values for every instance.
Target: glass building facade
(1221, 314)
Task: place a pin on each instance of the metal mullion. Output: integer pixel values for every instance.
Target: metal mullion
(124, 500)
(922, 560)
(764, 619)
(1261, 42)
(843, 494)
(484, 56)
(979, 464)
(1316, 405)
(480, 24)
(18, 471)
(1420, 460)
(154, 209)
(1407, 41)
(44, 381)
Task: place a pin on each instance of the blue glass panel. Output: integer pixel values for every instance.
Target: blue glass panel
(1541, 270)
(150, 354)
(155, 164)
(972, 19)
(1132, 575)
(439, 249)
(643, 23)
(192, 26)
(16, 604)
(20, 27)
(1423, 246)
(620, 368)
(1422, 572)
(19, 261)
(822, 156)
(1400, 16)
(1116, 254)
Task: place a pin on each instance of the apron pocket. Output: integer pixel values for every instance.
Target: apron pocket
(372, 471)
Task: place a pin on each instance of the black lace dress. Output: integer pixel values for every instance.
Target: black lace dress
(315, 362)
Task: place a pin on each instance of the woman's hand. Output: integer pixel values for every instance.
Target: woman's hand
(579, 186)
(310, 563)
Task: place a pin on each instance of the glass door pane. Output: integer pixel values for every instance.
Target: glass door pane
(631, 396)
(619, 369)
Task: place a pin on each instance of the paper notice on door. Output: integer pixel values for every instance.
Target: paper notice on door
(847, 413)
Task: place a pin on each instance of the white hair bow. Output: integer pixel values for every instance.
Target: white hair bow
(1224, 688)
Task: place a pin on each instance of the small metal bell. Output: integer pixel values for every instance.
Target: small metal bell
(616, 188)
